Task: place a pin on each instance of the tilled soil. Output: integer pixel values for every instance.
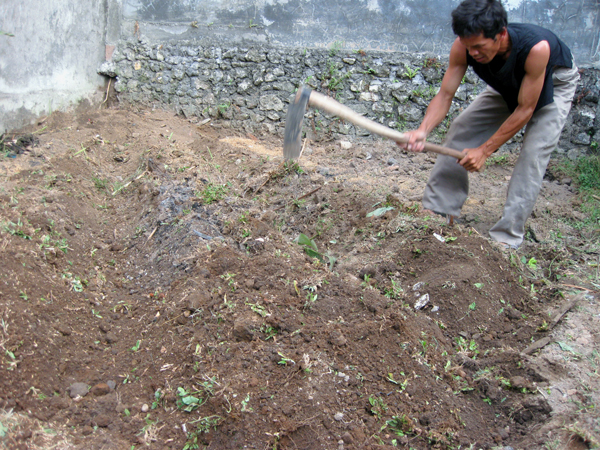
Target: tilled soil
(166, 284)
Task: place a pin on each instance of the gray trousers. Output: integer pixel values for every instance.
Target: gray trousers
(448, 184)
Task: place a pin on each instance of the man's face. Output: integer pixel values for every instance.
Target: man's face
(482, 49)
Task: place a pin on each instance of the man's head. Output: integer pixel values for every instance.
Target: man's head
(481, 28)
(474, 17)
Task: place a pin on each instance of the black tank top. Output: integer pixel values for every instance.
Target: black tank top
(506, 76)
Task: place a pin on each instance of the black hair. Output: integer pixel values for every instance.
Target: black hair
(473, 17)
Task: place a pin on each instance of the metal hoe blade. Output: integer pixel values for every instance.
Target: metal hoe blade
(292, 139)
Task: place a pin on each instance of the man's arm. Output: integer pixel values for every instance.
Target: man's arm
(529, 94)
(440, 104)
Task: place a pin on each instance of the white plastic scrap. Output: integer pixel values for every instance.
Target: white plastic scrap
(439, 238)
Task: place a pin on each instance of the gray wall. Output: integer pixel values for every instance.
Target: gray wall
(51, 60)
(391, 25)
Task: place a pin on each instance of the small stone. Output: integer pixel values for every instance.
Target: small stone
(78, 390)
(145, 408)
(418, 286)
(422, 302)
(111, 384)
(345, 145)
(339, 416)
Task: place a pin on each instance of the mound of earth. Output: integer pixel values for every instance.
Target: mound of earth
(170, 285)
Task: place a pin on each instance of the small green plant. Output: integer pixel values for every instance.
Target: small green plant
(136, 347)
(76, 282)
(393, 292)
(258, 309)
(15, 229)
(310, 248)
(499, 160)
(335, 48)
(311, 296)
(158, 398)
(229, 279)
(245, 407)
(378, 406)
(399, 425)
(410, 72)
(469, 348)
(531, 262)
(269, 331)
(223, 107)
(191, 400)
(284, 361)
(213, 193)
(203, 425)
(101, 184)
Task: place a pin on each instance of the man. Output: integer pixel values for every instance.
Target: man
(531, 81)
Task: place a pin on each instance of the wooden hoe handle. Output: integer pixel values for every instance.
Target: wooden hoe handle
(328, 104)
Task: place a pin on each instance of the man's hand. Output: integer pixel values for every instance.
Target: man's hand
(416, 141)
(474, 159)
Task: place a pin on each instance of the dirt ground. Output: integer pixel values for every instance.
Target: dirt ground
(168, 284)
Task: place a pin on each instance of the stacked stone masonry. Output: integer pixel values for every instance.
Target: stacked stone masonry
(250, 88)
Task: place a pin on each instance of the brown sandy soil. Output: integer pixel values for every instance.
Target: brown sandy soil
(153, 294)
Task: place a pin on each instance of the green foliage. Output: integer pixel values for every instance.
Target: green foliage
(311, 250)
(213, 193)
(191, 400)
(378, 406)
(203, 425)
(410, 72)
(586, 174)
(335, 48)
(15, 229)
(399, 425)
(499, 160)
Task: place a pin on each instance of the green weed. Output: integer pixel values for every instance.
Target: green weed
(213, 193)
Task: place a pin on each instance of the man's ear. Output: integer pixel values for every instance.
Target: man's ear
(501, 35)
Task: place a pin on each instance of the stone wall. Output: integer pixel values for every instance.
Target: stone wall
(250, 88)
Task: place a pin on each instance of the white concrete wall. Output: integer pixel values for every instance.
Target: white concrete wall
(51, 61)
(390, 25)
